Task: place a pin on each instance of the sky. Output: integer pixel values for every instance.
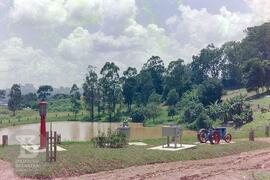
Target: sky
(53, 41)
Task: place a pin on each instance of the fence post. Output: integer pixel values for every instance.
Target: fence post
(4, 140)
(58, 138)
(251, 135)
(47, 146)
(267, 130)
(55, 145)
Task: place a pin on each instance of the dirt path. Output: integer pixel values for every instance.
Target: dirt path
(239, 166)
(7, 172)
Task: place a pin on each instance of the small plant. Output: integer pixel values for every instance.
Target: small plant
(100, 140)
(117, 140)
(113, 139)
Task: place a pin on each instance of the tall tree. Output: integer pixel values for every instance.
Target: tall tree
(44, 92)
(129, 86)
(90, 90)
(267, 75)
(155, 66)
(29, 100)
(173, 98)
(2, 94)
(255, 74)
(232, 76)
(144, 88)
(208, 63)
(257, 42)
(15, 98)
(75, 99)
(177, 77)
(210, 91)
(110, 84)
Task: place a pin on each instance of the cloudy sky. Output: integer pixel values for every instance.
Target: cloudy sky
(53, 41)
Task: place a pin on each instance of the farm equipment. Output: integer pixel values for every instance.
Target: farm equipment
(214, 135)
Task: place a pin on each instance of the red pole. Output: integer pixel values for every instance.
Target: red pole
(42, 132)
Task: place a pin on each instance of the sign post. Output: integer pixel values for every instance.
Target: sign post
(42, 113)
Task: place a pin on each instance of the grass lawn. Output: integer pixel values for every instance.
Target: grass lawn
(82, 157)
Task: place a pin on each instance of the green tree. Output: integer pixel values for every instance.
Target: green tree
(129, 86)
(203, 121)
(155, 66)
(154, 98)
(15, 98)
(2, 94)
(145, 87)
(232, 76)
(255, 74)
(171, 111)
(177, 77)
(90, 90)
(210, 91)
(151, 111)
(110, 86)
(256, 43)
(267, 75)
(30, 100)
(137, 115)
(75, 100)
(44, 92)
(235, 110)
(208, 63)
(172, 98)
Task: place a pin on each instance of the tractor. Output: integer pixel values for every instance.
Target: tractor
(214, 135)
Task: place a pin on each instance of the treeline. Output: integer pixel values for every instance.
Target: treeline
(187, 89)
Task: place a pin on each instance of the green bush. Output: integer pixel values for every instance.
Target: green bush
(100, 140)
(117, 140)
(137, 115)
(112, 140)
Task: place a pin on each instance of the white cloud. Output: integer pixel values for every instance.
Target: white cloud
(76, 45)
(95, 31)
(195, 28)
(24, 64)
(102, 13)
(260, 10)
(39, 12)
(132, 48)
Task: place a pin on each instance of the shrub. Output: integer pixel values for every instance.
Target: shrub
(203, 121)
(172, 98)
(117, 140)
(100, 140)
(171, 111)
(137, 115)
(112, 140)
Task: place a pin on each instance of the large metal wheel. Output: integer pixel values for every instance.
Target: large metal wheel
(215, 137)
(202, 135)
(228, 138)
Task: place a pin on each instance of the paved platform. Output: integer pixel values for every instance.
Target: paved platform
(137, 144)
(35, 148)
(172, 148)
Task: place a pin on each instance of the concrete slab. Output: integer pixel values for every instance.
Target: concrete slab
(171, 148)
(35, 148)
(137, 143)
(221, 142)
